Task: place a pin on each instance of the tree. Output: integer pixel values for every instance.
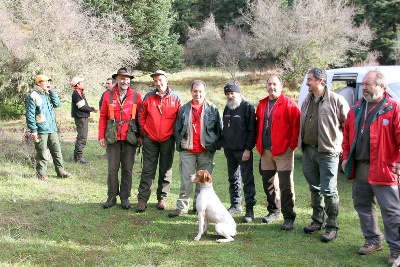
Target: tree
(383, 17)
(286, 30)
(35, 37)
(151, 31)
(204, 45)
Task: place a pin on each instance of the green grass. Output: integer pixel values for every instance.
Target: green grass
(62, 223)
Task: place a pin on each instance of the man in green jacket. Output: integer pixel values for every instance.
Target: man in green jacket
(41, 121)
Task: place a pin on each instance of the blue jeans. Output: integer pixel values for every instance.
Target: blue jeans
(320, 171)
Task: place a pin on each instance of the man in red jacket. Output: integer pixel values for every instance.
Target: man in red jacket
(278, 124)
(371, 157)
(120, 154)
(157, 117)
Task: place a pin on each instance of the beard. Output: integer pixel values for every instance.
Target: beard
(234, 103)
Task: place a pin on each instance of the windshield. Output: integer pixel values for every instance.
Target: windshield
(395, 88)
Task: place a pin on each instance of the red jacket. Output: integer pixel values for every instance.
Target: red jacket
(285, 125)
(121, 112)
(384, 141)
(157, 115)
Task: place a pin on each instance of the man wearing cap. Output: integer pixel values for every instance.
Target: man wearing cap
(239, 120)
(157, 116)
(323, 114)
(278, 121)
(80, 111)
(197, 134)
(120, 154)
(41, 121)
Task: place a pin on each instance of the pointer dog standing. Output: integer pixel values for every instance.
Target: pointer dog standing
(210, 208)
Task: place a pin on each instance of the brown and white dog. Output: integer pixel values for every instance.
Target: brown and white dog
(210, 208)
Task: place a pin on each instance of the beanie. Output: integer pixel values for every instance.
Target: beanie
(231, 87)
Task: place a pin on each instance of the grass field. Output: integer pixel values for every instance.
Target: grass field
(62, 222)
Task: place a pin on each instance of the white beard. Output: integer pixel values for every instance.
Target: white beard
(234, 103)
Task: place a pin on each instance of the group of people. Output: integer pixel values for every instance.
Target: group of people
(367, 135)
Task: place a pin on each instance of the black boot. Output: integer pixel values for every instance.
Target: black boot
(110, 202)
(249, 217)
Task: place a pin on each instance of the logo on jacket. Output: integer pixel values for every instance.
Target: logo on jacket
(385, 122)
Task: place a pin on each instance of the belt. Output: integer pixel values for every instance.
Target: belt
(313, 146)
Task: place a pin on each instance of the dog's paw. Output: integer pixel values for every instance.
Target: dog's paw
(197, 238)
(226, 240)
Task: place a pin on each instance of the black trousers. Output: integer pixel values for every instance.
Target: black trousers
(240, 172)
(82, 126)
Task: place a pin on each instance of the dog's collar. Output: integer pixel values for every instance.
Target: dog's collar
(206, 185)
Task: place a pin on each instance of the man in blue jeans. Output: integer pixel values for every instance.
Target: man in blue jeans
(323, 114)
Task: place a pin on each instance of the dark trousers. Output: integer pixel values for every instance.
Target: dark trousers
(240, 172)
(82, 126)
(121, 154)
(287, 200)
(161, 153)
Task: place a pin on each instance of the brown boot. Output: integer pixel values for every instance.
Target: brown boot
(161, 204)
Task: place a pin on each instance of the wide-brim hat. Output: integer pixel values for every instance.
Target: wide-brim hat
(124, 72)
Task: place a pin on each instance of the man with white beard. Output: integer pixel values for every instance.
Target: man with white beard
(238, 140)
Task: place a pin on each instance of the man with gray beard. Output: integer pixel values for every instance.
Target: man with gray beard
(238, 140)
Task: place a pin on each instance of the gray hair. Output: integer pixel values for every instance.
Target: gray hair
(198, 82)
(379, 77)
(319, 73)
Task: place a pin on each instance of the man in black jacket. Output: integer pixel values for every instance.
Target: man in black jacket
(238, 140)
(80, 111)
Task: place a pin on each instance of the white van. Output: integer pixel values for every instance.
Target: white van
(338, 78)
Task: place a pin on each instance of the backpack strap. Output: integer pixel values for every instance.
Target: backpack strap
(134, 107)
(111, 106)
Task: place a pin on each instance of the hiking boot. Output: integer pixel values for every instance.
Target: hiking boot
(125, 204)
(63, 175)
(287, 225)
(233, 209)
(369, 248)
(312, 227)
(42, 177)
(393, 257)
(271, 217)
(110, 202)
(161, 204)
(81, 161)
(249, 217)
(141, 206)
(330, 234)
(176, 213)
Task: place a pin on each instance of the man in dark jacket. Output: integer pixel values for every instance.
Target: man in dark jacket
(80, 111)
(238, 139)
(197, 134)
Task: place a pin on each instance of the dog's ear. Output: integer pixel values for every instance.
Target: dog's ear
(207, 177)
